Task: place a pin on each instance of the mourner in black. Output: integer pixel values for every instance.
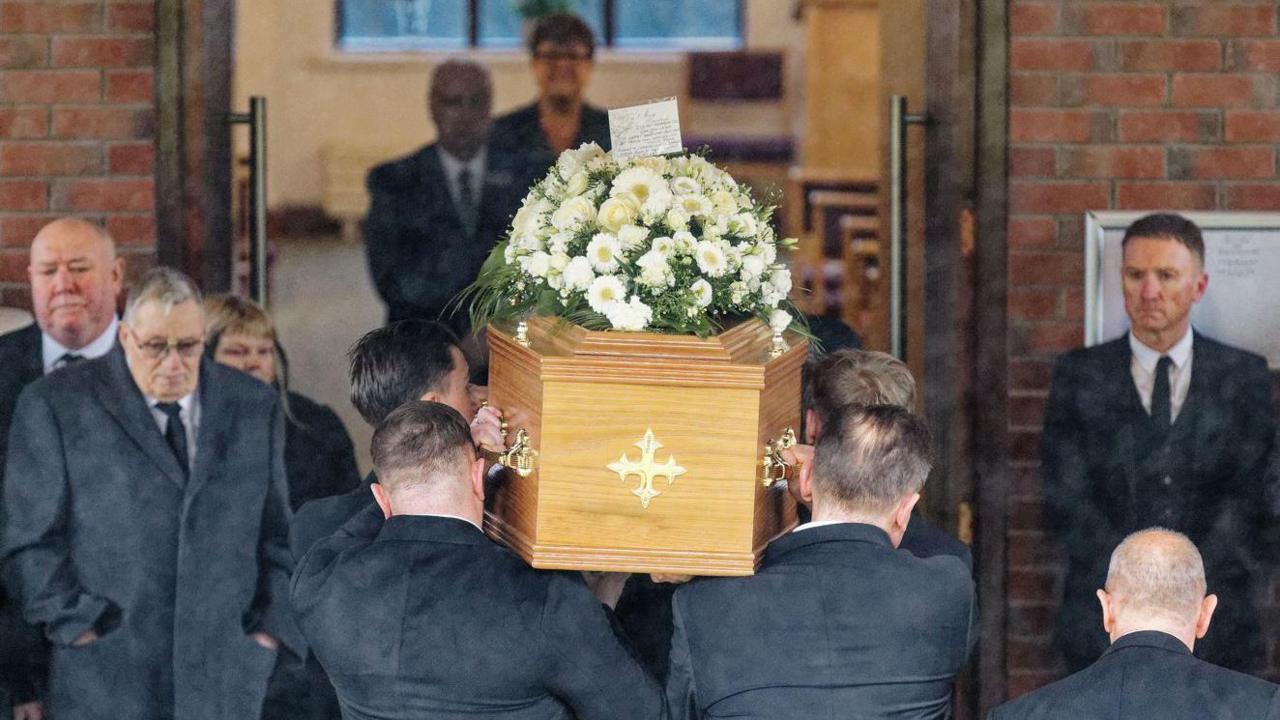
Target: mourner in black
(1154, 609)
(837, 622)
(1163, 426)
(435, 215)
(144, 523)
(75, 284)
(448, 624)
(561, 48)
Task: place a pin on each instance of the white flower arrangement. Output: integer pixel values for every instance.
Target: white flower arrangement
(650, 243)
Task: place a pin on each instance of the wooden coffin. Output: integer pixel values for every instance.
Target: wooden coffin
(649, 447)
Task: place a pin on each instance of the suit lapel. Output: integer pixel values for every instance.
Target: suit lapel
(32, 358)
(211, 435)
(1123, 405)
(122, 399)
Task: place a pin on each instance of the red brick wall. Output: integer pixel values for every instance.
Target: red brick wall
(76, 126)
(1125, 105)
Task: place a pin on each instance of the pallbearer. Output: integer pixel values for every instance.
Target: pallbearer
(447, 623)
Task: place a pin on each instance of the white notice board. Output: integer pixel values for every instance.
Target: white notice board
(1242, 256)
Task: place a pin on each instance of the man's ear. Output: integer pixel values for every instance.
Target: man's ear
(384, 500)
(1108, 611)
(812, 426)
(431, 396)
(477, 479)
(1207, 606)
(902, 513)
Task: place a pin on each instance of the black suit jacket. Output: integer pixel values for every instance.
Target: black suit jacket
(22, 650)
(449, 625)
(1096, 493)
(835, 624)
(322, 517)
(420, 254)
(1147, 675)
(318, 455)
(101, 529)
(518, 137)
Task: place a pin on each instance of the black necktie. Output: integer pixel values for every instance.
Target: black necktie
(175, 433)
(1161, 403)
(466, 200)
(68, 359)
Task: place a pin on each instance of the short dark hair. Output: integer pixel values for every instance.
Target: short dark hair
(857, 377)
(869, 457)
(397, 363)
(419, 441)
(562, 29)
(1167, 226)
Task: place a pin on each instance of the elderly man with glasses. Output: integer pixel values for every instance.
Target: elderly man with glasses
(144, 522)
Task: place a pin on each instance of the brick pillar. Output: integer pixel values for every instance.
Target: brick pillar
(76, 126)
(1122, 105)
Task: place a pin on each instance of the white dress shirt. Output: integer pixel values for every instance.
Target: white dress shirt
(51, 351)
(1143, 368)
(819, 523)
(475, 171)
(190, 414)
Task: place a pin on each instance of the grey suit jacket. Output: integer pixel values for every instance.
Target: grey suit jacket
(99, 529)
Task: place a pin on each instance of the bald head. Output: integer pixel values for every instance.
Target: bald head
(1156, 582)
(461, 104)
(75, 281)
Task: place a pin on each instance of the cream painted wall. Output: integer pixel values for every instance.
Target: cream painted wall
(319, 100)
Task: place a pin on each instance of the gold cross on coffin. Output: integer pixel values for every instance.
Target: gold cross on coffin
(647, 468)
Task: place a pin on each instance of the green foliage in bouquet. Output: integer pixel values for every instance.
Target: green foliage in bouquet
(663, 244)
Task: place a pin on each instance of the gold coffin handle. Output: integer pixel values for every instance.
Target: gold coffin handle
(774, 467)
(520, 457)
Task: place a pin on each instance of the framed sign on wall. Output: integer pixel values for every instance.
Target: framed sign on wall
(1241, 305)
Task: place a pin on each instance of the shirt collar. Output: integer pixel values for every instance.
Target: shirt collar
(816, 524)
(453, 164)
(51, 351)
(1147, 357)
(185, 402)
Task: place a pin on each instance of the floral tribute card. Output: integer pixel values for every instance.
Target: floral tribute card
(649, 129)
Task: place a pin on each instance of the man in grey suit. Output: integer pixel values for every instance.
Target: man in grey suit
(1154, 609)
(449, 625)
(75, 282)
(836, 623)
(144, 522)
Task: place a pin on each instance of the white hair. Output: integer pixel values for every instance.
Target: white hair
(1158, 573)
(165, 286)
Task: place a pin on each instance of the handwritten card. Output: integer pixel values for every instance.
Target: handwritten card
(649, 129)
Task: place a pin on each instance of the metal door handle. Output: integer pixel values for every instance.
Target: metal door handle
(899, 119)
(256, 119)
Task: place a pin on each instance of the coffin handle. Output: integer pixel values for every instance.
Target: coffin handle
(775, 468)
(520, 457)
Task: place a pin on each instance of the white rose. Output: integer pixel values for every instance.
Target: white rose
(685, 186)
(539, 264)
(632, 236)
(559, 261)
(616, 212)
(568, 164)
(573, 213)
(604, 252)
(779, 320)
(702, 291)
(605, 291)
(711, 259)
(577, 184)
(578, 274)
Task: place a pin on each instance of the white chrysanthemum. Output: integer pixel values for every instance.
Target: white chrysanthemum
(695, 205)
(632, 236)
(780, 278)
(631, 315)
(779, 320)
(616, 212)
(646, 187)
(702, 291)
(655, 270)
(578, 274)
(723, 203)
(711, 259)
(769, 295)
(573, 213)
(684, 242)
(664, 245)
(742, 225)
(604, 252)
(685, 186)
(715, 230)
(605, 291)
(677, 219)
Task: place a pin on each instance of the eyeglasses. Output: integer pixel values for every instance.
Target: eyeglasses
(158, 349)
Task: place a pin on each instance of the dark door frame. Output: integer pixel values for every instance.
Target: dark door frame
(966, 286)
(193, 141)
